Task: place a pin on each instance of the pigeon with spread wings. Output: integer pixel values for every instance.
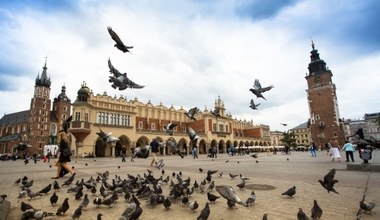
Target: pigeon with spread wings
(253, 105)
(119, 44)
(258, 89)
(192, 112)
(120, 80)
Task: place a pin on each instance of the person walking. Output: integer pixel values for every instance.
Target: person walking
(350, 149)
(335, 150)
(313, 149)
(154, 147)
(63, 155)
(123, 153)
(195, 153)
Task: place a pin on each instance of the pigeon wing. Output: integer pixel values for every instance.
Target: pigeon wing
(266, 88)
(130, 84)
(113, 70)
(257, 85)
(115, 37)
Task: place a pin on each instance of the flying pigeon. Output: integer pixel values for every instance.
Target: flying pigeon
(192, 112)
(119, 44)
(192, 134)
(329, 181)
(257, 89)
(283, 124)
(215, 112)
(120, 80)
(253, 105)
(107, 138)
(169, 128)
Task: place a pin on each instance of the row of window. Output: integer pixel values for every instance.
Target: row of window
(113, 119)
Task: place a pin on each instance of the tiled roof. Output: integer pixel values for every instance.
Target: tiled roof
(14, 118)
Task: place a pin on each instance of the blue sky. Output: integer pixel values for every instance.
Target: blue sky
(187, 53)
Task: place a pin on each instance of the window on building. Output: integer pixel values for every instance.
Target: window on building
(317, 117)
(221, 128)
(213, 127)
(64, 108)
(86, 117)
(153, 126)
(335, 134)
(77, 116)
(141, 125)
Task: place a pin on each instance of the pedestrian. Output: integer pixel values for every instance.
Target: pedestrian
(154, 147)
(350, 149)
(195, 153)
(63, 155)
(335, 150)
(123, 152)
(313, 149)
(132, 154)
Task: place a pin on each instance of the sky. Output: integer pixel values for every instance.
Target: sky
(190, 52)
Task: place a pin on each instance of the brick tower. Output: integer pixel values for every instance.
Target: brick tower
(323, 102)
(40, 111)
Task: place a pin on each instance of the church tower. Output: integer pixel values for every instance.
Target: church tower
(61, 112)
(39, 117)
(323, 102)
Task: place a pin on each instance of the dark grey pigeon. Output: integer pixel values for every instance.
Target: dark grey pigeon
(119, 44)
(192, 112)
(316, 211)
(53, 199)
(258, 89)
(205, 213)
(63, 208)
(120, 80)
(301, 215)
(169, 128)
(253, 105)
(77, 213)
(290, 192)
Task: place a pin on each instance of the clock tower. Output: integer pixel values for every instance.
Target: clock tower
(323, 102)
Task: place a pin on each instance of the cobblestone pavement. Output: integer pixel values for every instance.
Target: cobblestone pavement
(270, 175)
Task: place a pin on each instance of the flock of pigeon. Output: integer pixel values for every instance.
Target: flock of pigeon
(135, 190)
(122, 82)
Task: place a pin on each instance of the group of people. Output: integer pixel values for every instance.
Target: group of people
(334, 150)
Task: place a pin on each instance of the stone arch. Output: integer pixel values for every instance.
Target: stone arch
(236, 143)
(241, 143)
(202, 146)
(142, 141)
(124, 143)
(221, 146)
(100, 148)
(183, 146)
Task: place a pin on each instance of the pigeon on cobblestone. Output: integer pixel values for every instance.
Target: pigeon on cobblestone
(77, 213)
(205, 213)
(63, 208)
(265, 216)
(251, 199)
(53, 198)
(301, 215)
(290, 192)
(39, 214)
(46, 189)
(211, 197)
(316, 211)
(25, 206)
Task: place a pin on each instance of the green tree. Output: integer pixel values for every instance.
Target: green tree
(289, 138)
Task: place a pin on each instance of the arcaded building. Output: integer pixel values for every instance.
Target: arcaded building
(136, 123)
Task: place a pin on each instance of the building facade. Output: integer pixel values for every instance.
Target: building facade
(36, 127)
(136, 124)
(325, 123)
(302, 134)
